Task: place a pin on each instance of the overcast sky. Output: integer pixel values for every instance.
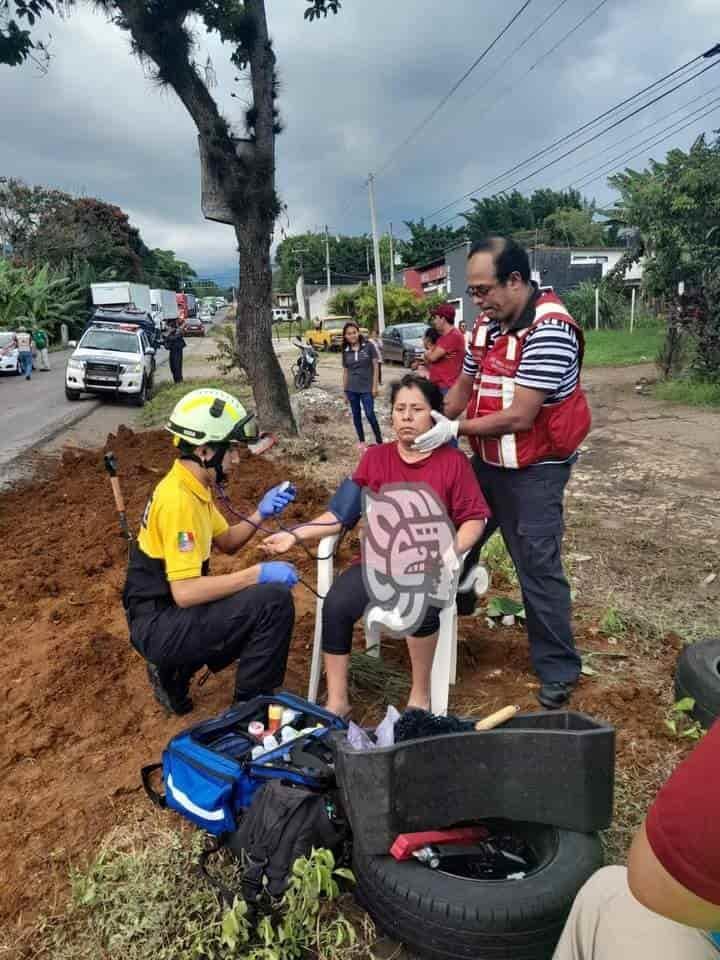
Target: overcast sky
(353, 87)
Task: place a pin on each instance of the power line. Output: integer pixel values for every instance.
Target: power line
(612, 126)
(573, 133)
(624, 140)
(542, 59)
(443, 100)
(639, 153)
(530, 36)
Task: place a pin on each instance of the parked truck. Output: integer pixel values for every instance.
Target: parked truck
(121, 302)
(118, 293)
(164, 307)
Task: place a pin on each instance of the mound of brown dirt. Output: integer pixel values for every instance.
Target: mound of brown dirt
(78, 717)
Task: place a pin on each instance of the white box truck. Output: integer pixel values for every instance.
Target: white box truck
(164, 306)
(118, 293)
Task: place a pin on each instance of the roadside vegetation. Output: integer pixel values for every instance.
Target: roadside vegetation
(145, 896)
(693, 392)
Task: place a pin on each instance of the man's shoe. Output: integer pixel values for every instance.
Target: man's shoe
(171, 688)
(553, 696)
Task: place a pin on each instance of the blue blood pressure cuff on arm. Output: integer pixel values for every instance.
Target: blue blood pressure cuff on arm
(346, 503)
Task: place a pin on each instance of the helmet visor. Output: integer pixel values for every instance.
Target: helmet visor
(244, 431)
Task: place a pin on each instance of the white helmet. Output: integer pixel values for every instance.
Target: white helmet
(211, 416)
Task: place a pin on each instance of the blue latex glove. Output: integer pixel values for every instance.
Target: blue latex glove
(275, 500)
(277, 571)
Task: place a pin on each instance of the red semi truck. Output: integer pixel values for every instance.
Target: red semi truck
(187, 305)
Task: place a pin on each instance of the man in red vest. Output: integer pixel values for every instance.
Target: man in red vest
(526, 416)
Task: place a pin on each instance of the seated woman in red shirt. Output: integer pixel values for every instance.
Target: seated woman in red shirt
(447, 473)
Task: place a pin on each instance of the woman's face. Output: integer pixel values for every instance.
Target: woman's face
(352, 335)
(410, 415)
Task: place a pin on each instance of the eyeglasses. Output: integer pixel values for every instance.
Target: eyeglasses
(480, 290)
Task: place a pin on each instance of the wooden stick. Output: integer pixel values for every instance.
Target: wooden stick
(497, 718)
(117, 494)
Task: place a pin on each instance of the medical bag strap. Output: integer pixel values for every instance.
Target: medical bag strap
(226, 897)
(157, 798)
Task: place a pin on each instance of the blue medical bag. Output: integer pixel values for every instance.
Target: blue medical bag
(210, 776)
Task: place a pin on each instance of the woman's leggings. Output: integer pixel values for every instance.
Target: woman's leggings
(345, 604)
(368, 405)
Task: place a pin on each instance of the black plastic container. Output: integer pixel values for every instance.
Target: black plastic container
(552, 768)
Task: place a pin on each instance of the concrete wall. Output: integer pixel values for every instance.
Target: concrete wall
(318, 301)
(465, 309)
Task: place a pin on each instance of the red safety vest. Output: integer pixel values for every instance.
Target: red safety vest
(559, 428)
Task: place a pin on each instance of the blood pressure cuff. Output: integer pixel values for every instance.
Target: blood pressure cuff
(346, 503)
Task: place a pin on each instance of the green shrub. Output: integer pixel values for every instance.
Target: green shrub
(614, 309)
(37, 297)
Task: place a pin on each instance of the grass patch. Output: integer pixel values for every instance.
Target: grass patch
(166, 395)
(143, 896)
(694, 393)
(617, 348)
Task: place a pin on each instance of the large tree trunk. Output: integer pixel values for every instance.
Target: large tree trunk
(254, 231)
(247, 183)
(254, 331)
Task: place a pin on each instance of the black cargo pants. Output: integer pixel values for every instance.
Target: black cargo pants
(527, 507)
(253, 626)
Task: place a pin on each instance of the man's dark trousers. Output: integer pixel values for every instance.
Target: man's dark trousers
(253, 626)
(527, 507)
(175, 359)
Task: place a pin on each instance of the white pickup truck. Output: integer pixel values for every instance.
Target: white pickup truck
(111, 359)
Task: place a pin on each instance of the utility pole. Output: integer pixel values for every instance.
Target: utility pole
(327, 260)
(392, 257)
(376, 257)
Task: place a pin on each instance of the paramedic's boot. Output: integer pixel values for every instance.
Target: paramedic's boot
(171, 688)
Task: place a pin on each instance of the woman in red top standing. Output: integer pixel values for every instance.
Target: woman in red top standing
(447, 473)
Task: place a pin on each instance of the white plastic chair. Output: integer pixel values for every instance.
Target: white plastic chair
(444, 668)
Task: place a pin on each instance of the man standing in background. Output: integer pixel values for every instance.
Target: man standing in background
(40, 339)
(175, 344)
(24, 342)
(444, 359)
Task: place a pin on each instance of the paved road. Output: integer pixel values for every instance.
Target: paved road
(36, 410)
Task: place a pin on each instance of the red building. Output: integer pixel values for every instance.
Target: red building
(427, 278)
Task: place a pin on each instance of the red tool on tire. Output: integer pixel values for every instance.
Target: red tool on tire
(406, 844)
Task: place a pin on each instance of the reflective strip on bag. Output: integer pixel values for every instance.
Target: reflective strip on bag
(184, 800)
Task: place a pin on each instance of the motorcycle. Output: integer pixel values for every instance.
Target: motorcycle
(304, 370)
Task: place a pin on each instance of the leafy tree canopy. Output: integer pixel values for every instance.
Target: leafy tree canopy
(401, 305)
(81, 236)
(427, 243)
(351, 259)
(675, 206)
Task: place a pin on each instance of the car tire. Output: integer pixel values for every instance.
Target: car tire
(18, 369)
(445, 917)
(697, 675)
(139, 399)
(406, 359)
(72, 394)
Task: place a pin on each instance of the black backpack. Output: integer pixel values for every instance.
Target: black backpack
(283, 823)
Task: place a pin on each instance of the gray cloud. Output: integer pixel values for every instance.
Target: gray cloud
(353, 86)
